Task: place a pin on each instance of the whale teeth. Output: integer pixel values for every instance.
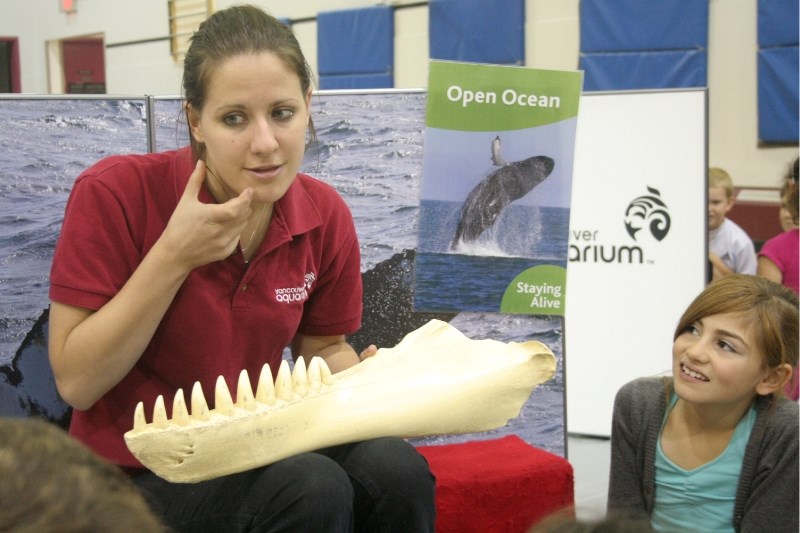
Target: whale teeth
(223, 403)
(265, 390)
(300, 377)
(139, 421)
(288, 384)
(283, 383)
(314, 374)
(180, 415)
(244, 392)
(199, 405)
(325, 372)
(160, 413)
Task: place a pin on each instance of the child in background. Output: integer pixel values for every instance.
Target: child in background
(731, 250)
(715, 446)
(787, 215)
(565, 521)
(52, 482)
(778, 258)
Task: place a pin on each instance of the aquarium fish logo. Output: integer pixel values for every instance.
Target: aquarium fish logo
(296, 294)
(648, 211)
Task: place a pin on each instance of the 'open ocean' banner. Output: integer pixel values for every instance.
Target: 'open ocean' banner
(496, 189)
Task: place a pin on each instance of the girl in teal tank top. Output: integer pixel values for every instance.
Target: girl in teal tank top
(715, 447)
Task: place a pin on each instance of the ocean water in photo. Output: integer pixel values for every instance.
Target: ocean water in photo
(45, 144)
(475, 275)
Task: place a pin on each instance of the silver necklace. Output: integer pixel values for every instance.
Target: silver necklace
(258, 222)
(253, 234)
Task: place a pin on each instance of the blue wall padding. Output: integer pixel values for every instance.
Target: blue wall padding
(357, 43)
(644, 70)
(356, 81)
(778, 71)
(636, 25)
(635, 44)
(477, 31)
(778, 23)
(778, 108)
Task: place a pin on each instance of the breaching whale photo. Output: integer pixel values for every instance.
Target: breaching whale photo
(509, 182)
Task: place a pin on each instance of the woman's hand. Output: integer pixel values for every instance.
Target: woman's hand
(199, 233)
(334, 350)
(90, 352)
(369, 351)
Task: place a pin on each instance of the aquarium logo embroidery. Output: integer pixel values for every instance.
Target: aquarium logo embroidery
(296, 294)
(648, 211)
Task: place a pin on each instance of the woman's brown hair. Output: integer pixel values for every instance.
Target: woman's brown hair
(235, 31)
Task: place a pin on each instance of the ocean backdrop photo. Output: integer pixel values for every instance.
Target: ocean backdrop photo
(369, 147)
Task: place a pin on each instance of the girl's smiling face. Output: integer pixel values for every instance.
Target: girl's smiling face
(253, 125)
(716, 361)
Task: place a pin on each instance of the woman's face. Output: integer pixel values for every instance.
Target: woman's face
(716, 361)
(253, 125)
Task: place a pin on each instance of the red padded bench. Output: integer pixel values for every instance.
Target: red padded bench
(503, 485)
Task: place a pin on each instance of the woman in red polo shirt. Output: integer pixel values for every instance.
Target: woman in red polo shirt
(181, 266)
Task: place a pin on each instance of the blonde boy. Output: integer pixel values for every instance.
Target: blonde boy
(731, 250)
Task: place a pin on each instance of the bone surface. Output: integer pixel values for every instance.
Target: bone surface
(436, 381)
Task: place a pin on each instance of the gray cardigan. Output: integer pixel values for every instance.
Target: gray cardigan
(767, 496)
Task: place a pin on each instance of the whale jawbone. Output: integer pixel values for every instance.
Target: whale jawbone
(436, 381)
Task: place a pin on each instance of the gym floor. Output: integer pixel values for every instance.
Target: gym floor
(590, 458)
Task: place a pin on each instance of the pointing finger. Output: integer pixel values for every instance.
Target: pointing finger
(196, 180)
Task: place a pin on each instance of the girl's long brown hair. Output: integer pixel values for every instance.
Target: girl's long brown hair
(770, 309)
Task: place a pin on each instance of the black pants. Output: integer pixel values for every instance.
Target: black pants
(380, 485)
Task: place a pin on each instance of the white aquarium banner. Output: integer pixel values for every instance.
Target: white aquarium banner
(637, 242)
